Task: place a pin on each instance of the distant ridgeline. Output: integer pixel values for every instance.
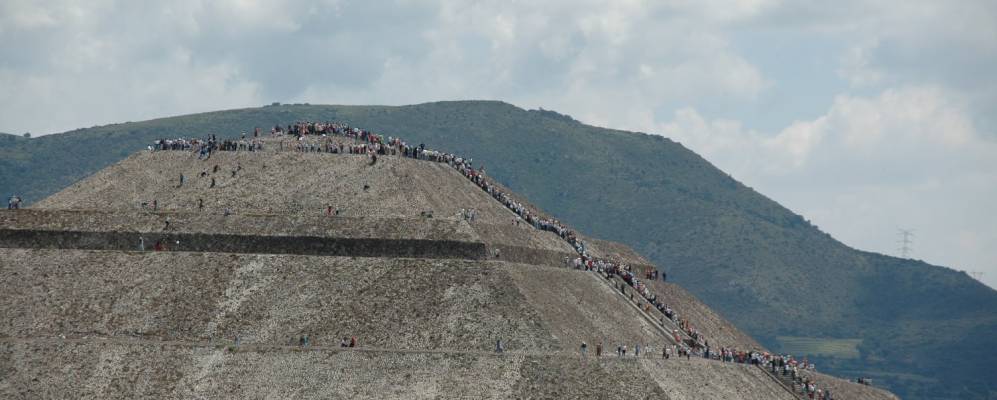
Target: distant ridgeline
(762, 266)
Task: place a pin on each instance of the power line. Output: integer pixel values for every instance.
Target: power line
(906, 240)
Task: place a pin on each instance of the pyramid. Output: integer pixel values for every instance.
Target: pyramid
(244, 278)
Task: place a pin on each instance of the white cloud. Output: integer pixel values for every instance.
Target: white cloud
(174, 85)
(856, 65)
(794, 144)
(908, 157)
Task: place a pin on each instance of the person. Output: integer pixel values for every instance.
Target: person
(200, 204)
(637, 350)
(353, 341)
(182, 180)
(665, 352)
(141, 243)
(598, 349)
(584, 348)
(343, 343)
(498, 346)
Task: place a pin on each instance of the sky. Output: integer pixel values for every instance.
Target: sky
(866, 117)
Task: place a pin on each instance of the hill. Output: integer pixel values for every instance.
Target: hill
(919, 328)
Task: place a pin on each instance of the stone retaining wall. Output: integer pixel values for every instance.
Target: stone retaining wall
(228, 243)
(318, 225)
(527, 255)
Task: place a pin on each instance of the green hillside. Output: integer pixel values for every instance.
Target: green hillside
(921, 330)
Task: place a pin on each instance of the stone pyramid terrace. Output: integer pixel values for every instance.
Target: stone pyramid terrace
(244, 270)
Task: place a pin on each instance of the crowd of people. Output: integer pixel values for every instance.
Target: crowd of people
(319, 137)
(205, 147)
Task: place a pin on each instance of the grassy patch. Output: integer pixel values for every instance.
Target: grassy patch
(838, 348)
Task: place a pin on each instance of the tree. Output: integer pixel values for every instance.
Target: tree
(27, 135)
